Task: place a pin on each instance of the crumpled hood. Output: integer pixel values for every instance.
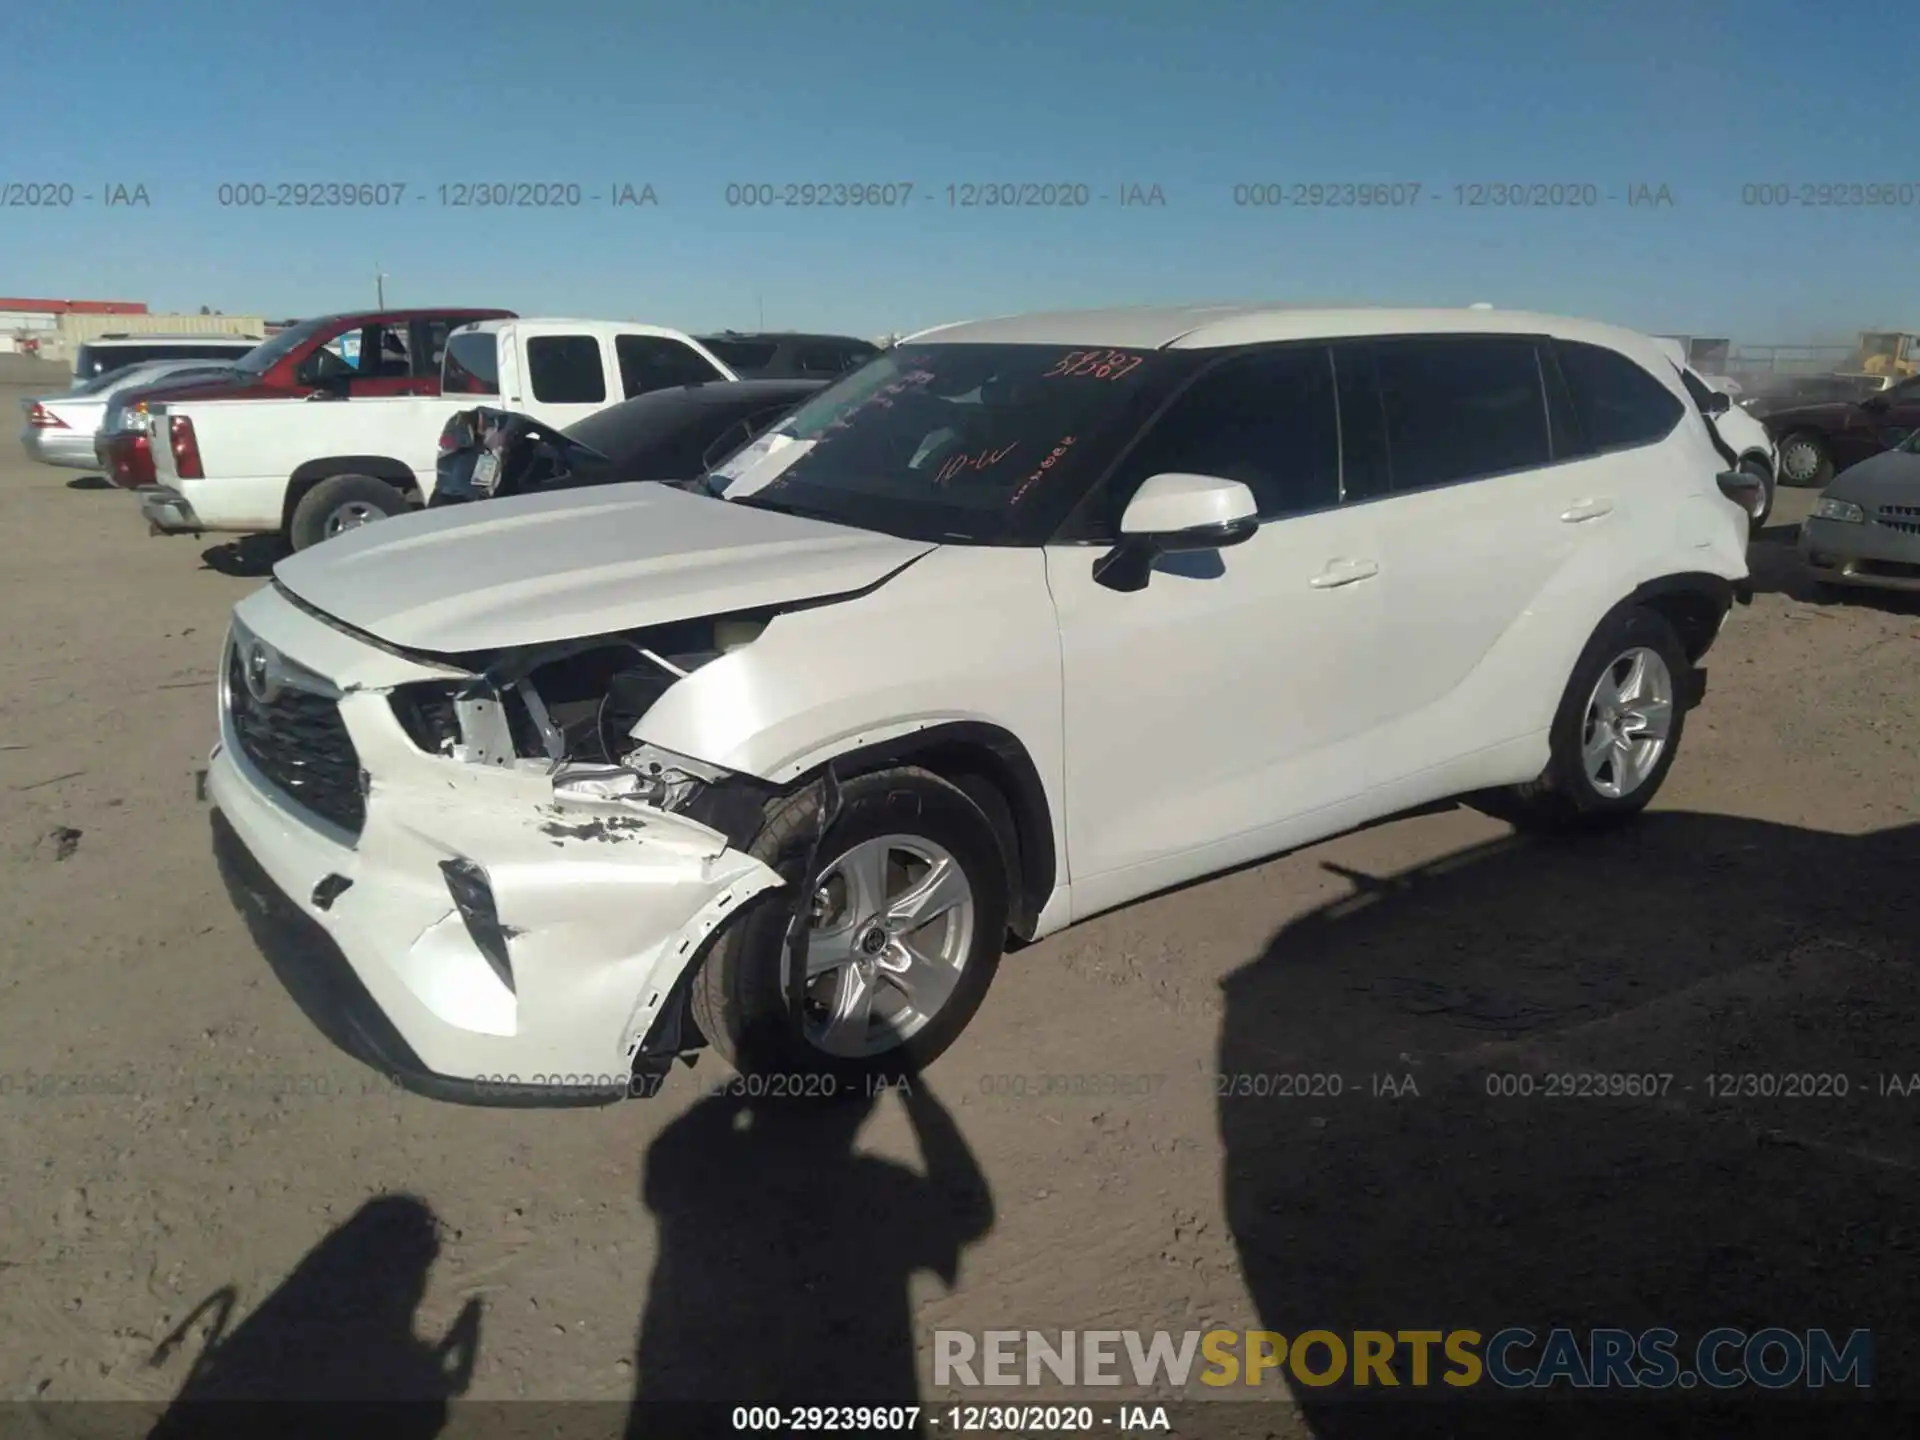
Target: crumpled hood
(1890, 478)
(565, 564)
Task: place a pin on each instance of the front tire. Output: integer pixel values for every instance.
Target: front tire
(341, 503)
(907, 919)
(1616, 732)
(1804, 461)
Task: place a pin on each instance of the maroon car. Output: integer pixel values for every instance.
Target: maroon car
(399, 355)
(1818, 441)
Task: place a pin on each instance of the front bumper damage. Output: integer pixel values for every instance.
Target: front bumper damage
(483, 937)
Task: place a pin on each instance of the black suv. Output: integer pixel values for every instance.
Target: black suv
(786, 355)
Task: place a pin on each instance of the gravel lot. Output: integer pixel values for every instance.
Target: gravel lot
(1762, 919)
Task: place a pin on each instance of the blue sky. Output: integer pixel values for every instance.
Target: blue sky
(1196, 98)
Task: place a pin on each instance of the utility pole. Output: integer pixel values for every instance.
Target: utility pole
(379, 287)
(761, 302)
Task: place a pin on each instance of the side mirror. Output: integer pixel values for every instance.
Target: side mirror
(1173, 513)
(1742, 487)
(1875, 403)
(1718, 403)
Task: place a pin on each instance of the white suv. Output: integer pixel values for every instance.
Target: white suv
(1023, 620)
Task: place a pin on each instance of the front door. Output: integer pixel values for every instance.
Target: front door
(1225, 710)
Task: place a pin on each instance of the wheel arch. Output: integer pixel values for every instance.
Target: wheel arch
(396, 473)
(1693, 602)
(987, 762)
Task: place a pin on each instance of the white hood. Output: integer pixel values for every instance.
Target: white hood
(531, 569)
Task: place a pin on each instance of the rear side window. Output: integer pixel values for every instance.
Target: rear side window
(743, 355)
(1619, 404)
(1461, 407)
(471, 365)
(566, 370)
(831, 359)
(654, 362)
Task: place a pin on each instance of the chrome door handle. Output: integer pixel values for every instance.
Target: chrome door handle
(1344, 572)
(1586, 510)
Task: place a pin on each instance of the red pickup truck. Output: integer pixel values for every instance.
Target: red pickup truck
(399, 354)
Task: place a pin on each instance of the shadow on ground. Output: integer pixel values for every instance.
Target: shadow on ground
(91, 482)
(339, 1328)
(1687, 947)
(784, 1254)
(249, 557)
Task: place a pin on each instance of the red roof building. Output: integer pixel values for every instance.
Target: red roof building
(74, 307)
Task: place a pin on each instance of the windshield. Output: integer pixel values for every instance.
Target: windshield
(263, 356)
(979, 444)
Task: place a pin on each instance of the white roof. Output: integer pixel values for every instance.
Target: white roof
(1203, 327)
(573, 325)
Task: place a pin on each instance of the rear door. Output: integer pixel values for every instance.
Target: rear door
(564, 376)
(1459, 446)
(1519, 496)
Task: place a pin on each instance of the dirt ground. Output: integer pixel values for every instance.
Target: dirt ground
(174, 1129)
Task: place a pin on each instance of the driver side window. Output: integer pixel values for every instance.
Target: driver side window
(1266, 419)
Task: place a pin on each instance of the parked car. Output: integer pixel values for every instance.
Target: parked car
(394, 352)
(107, 353)
(1026, 619)
(786, 355)
(1744, 441)
(1819, 440)
(310, 471)
(667, 435)
(1865, 530)
(63, 429)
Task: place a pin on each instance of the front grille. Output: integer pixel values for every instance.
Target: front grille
(1903, 518)
(299, 744)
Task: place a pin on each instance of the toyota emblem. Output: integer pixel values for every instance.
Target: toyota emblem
(259, 672)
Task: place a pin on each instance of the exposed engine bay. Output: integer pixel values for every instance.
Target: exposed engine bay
(571, 708)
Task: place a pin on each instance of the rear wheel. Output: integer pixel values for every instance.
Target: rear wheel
(341, 503)
(1616, 731)
(906, 917)
(1804, 460)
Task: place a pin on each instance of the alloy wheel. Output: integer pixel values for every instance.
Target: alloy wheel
(891, 925)
(1628, 719)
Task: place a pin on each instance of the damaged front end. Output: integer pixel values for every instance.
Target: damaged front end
(520, 887)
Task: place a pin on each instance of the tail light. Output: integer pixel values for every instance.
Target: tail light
(131, 459)
(186, 449)
(41, 418)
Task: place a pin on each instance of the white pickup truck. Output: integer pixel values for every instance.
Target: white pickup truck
(311, 467)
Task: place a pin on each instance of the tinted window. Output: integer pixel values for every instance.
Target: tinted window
(472, 365)
(566, 370)
(653, 362)
(1619, 403)
(1364, 471)
(1266, 420)
(385, 352)
(91, 360)
(1461, 407)
(983, 444)
(831, 359)
(1563, 420)
(430, 346)
(742, 355)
